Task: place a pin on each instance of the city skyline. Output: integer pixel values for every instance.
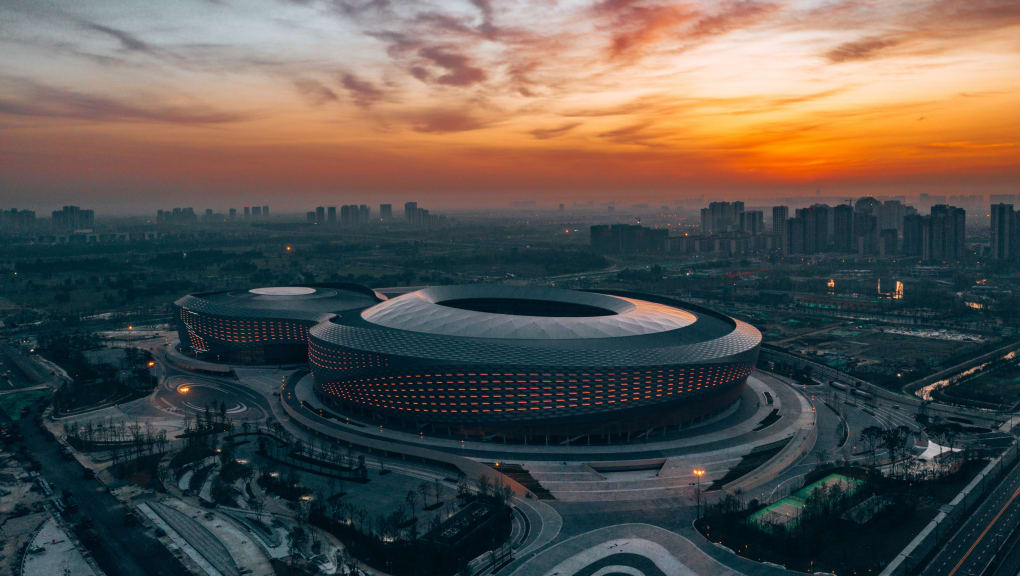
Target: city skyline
(122, 105)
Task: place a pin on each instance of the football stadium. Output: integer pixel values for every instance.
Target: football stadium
(262, 325)
(482, 360)
(487, 360)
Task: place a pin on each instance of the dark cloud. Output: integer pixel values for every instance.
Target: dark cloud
(488, 27)
(862, 49)
(640, 134)
(365, 93)
(634, 24)
(921, 28)
(49, 102)
(733, 16)
(547, 133)
(458, 69)
(315, 92)
(440, 121)
(128, 42)
(420, 73)
(355, 8)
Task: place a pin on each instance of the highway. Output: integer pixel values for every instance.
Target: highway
(971, 549)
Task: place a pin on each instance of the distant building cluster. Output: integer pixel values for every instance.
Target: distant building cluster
(624, 238)
(186, 215)
(177, 216)
(73, 218)
(867, 227)
(416, 216)
(360, 214)
(350, 215)
(17, 220)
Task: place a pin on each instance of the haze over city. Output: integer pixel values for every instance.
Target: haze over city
(510, 288)
(480, 103)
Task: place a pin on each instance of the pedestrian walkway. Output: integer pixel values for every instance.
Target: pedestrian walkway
(635, 549)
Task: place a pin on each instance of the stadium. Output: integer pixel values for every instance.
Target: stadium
(522, 363)
(262, 325)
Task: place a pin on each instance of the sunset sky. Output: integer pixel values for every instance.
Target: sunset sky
(130, 105)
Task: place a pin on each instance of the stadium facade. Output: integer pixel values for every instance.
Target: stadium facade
(487, 360)
(527, 362)
(262, 325)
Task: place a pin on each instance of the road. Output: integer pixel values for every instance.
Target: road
(122, 550)
(973, 546)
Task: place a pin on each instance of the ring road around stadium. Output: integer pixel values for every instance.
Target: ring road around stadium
(487, 359)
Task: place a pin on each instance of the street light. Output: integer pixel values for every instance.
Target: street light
(699, 472)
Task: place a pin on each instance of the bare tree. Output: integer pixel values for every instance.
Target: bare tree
(411, 499)
(423, 489)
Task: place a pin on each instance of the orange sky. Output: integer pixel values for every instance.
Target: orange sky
(131, 105)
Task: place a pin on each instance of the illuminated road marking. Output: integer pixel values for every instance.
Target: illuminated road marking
(983, 532)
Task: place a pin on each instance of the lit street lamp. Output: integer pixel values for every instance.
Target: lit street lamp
(699, 472)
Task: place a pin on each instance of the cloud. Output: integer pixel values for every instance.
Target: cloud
(442, 121)
(734, 16)
(487, 27)
(921, 28)
(635, 24)
(45, 101)
(315, 92)
(862, 49)
(365, 93)
(640, 134)
(547, 133)
(458, 68)
(128, 42)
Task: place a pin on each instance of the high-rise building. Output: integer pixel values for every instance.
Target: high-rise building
(1003, 232)
(265, 211)
(386, 212)
(818, 227)
(752, 222)
(958, 238)
(887, 242)
(891, 215)
(843, 228)
(310, 216)
(331, 215)
(866, 225)
(913, 236)
(795, 232)
(721, 217)
(944, 234)
(364, 214)
(348, 214)
(780, 214)
(410, 212)
(247, 212)
(233, 213)
(320, 214)
(256, 212)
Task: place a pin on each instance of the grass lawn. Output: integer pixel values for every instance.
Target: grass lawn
(14, 402)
